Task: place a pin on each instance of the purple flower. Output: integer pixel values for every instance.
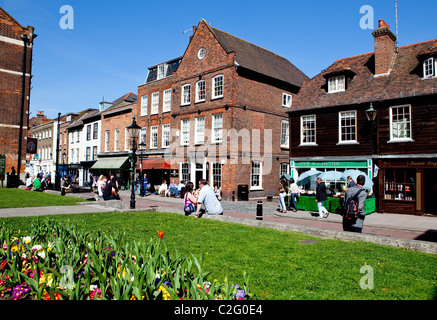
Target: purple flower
(240, 295)
(20, 291)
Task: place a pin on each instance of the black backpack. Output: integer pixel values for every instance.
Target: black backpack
(352, 206)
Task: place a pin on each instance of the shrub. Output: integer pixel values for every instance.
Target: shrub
(63, 262)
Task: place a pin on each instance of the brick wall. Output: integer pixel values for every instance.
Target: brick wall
(11, 59)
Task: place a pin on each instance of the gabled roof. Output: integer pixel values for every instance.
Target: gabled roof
(404, 80)
(79, 121)
(258, 59)
(125, 100)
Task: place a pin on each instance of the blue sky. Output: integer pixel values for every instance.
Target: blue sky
(113, 41)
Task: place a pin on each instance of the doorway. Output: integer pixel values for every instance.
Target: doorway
(430, 190)
(198, 174)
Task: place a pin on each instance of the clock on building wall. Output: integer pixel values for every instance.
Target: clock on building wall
(31, 145)
(201, 53)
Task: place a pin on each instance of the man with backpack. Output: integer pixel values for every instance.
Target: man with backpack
(354, 214)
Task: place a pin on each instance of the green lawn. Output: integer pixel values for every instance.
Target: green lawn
(280, 266)
(19, 198)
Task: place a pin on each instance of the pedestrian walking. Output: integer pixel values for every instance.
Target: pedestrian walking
(354, 200)
(282, 207)
(321, 197)
(293, 191)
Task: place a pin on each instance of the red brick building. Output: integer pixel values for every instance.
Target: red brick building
(227, 121)
(16, 45)
(330, 129)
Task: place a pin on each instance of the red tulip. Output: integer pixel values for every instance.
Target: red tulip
(161, 234)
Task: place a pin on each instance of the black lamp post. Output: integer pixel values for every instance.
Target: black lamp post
(371, 117)
(142, 146)
(134, 131)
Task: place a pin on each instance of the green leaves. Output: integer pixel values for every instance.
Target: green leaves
(76, 266)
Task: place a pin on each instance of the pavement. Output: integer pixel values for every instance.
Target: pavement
(404, 231)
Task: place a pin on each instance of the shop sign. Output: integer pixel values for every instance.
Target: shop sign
(331, 164)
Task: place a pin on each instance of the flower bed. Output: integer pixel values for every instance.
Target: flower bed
(63, 262)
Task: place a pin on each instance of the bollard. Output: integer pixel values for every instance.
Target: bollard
(259, 210)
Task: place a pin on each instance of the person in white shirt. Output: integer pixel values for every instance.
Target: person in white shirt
(208, 199)
(163, 187)
(293, 191)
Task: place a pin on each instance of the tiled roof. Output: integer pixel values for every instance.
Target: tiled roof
(258, 59)
(404, 80)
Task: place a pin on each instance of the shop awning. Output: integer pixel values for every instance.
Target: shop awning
(110, 163)
(155, 164)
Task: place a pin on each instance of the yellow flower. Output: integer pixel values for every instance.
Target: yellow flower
(165, 294)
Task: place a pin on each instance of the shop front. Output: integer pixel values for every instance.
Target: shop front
(118, 166)
(335, 188)
(299, 166)
(408, 186)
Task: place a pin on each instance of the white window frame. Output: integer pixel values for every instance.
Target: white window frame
(107, 140)
(143, 138)
(199, 135)
(217, 128)
(282, 166)
(302, 120)
(165, 139)
(341, 127)
(166, 101)
(335, 85)
(285, 134)
(410, 131)
(155, 103)
(126, 139)
(287, 100)
(117, 140)
(432, 65)
(144, 100)
(185, 172)
(215, 86)
(161, 71)
(186, 95)
(199, 90)
(153, 137)
(185, 132)
(256, 170)
(216, 171)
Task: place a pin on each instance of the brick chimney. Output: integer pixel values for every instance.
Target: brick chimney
(194, 30)
(384, 48)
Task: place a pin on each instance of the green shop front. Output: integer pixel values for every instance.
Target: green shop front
(335, 188)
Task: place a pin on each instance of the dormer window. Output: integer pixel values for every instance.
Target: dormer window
(337, 84)
(429, 68)
(162, 70)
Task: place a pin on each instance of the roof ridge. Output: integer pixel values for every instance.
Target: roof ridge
(249, 42)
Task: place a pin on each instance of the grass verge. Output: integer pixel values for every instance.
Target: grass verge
(19, 198)
(281, 267)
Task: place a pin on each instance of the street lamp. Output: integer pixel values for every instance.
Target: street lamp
(371, 117)
(142, 146)
(371, 113)
(134, 131)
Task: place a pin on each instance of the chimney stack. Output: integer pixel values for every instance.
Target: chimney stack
(385, 42)
(194, 30)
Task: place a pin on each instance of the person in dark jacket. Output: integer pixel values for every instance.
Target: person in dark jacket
(320, 198)
(355, 224)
